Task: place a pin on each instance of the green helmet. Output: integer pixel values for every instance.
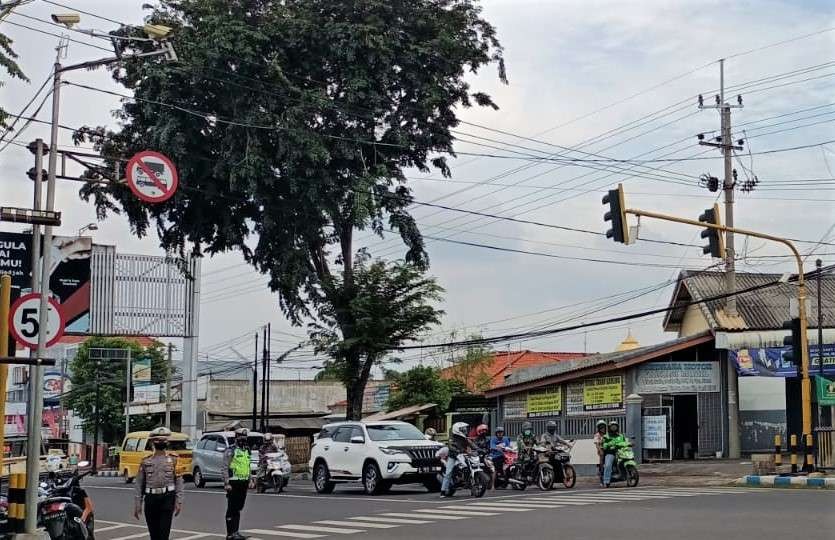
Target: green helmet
(527, 429)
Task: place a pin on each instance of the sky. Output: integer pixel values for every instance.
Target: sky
(615, 79)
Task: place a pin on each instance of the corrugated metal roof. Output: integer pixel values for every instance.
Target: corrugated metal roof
(764, 309)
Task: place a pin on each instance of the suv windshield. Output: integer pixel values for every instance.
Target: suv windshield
(394, 432)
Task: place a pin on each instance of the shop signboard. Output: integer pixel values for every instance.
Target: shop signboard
(546, 402)
(603, 393)
(771, 361)
(826, 391)
(515, 407)
(655, 432)
(676, 377)
(149, 393)
(574, 399)
(141, 369)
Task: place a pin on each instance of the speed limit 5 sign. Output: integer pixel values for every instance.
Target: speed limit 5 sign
(24, 321)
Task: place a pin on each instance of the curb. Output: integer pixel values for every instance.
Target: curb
(787, 481)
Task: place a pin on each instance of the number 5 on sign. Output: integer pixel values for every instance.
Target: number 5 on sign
(24, 321)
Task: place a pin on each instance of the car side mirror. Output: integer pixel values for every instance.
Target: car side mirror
(358, 440)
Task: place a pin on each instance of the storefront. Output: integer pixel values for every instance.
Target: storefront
(680, 383)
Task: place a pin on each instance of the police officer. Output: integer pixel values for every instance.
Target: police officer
(236, 473)
(159, 485)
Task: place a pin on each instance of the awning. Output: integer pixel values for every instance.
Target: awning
(399, 413)
(766, 338)
(304, 423)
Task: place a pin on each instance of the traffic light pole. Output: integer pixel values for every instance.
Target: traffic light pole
(805, 384)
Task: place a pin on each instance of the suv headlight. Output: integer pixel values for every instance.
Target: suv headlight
(391, 451)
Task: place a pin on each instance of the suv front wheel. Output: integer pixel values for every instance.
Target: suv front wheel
(322, 479)
(373, 481)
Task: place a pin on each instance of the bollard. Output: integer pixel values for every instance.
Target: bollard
(778, 454)
(809, 465)
(793, 450)
(16, 500)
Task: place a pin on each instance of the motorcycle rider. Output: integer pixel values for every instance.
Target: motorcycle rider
(236, 473)
(268, 447)
(612, 441)
(81, 499)
(482, 442)
(525, 443)
(598, 444)
(497, 443)
(551, 438)
(458, 444)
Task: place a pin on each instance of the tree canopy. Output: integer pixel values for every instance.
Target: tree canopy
(8, 61)
(291, 124)
(419, 386)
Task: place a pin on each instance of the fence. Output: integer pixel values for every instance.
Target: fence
(825, 447)
(298, 449)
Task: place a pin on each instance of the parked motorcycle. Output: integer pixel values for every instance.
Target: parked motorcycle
(468, 474)
(625, 469)
(559, 459)
(536, 469)
(275, 473)
(57, 513)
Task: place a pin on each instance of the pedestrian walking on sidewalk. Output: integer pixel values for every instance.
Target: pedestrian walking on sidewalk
(236, 475)
(159, 487)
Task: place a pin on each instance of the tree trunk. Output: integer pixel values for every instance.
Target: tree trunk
(356, 390)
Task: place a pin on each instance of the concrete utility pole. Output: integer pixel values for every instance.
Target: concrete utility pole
(168, 369)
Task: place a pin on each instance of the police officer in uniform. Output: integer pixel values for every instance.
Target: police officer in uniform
(236, 474)
(158, 484)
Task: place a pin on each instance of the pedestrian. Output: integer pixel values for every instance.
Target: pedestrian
(598, 444)
(236, 475)
(159, 486)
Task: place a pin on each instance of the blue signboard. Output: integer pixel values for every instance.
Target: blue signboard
(771, 362)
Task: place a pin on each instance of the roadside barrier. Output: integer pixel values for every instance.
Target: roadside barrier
(778, 452)
(17, 500)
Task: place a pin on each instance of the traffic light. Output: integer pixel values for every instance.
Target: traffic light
(795, 355)
(620, 230)
(715, 237)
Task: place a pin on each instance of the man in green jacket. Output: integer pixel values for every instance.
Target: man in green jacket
(236, 473)
(612, 441)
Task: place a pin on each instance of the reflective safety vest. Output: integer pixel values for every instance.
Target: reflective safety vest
(240, 465)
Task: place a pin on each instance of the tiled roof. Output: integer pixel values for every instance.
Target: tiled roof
(504, 364)
(764, 309)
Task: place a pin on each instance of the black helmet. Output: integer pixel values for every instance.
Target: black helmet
(601, 424)
(551, 426)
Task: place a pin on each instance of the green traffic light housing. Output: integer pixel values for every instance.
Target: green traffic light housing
(616, 214)
(715, 238)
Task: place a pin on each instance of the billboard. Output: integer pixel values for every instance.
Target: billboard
(69, 281)
(772, 362)
(672, 377)
(141, 371)
(547, 402)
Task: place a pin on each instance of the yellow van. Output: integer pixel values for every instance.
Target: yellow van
(137, 447)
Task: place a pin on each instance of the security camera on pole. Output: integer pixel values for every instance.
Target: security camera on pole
(157, 34)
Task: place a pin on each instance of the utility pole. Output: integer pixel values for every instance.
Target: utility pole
(168, 369)
(255, 386)
(269, 378)
(263, 378)
(726, 144)
(97, 420)
(819, 267)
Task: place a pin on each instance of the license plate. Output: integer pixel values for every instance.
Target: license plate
(424, 470)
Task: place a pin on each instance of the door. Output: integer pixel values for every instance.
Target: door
(686, 426)
(337, 454)
(355, 452)
(218, 456)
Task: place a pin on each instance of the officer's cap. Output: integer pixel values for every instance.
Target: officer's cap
(160, 433)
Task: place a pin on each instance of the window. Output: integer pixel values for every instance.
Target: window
(201, 444)
(327, 432)
(343, 434)
(357, 432)
(179, 445)
(130, 445)
(144, 444)
(394, 432)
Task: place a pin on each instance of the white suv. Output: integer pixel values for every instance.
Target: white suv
(378, 454)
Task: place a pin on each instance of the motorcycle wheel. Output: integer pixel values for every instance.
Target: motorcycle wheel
(569, 476)
(631, 476)
(545, 478)
(259, 487)
(277, 484)
(479, 486)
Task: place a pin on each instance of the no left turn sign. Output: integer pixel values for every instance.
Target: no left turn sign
(152, 176)
(24, 321)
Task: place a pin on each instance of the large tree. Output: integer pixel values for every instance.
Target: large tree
(419, 386)
(292, 124)
(8, 59)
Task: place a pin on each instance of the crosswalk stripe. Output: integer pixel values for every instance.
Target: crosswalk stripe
(537, 504)
(498, 507)
(140, 535)
(317, 528)
(564, 501)
(592, 500)
(286, 534)
(458, 511)
(401, 521)
(435, 516)
(110, 528)
(357, 524)
(193, 536)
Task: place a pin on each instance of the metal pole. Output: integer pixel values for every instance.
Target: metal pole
(255, 386)
(168, 370)
(36, 397)
(128, 377)
(5, 301)
(819, 266)
(97, 420)
(263, 379)
(269, 378)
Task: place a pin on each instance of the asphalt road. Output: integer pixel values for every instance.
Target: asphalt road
(642, 513)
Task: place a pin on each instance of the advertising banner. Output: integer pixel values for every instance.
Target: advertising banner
(141, 371)
(655, 432)
(149, 393)
(547, 402)
(603, 393)
(515, 407)
(672, 377)
(54, 385)
(826, 391)
(771, 362)
(69, 282)
(574, 399)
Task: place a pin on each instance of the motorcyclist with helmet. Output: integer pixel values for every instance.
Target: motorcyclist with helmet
(525, 444)
(497, 443)
(458, 444)
(598, 444)
(236, 475)
(268, 447)
(482, 442)
(551, 438)
(612, 442)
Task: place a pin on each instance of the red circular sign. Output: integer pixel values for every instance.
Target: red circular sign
(24, 321)
(152, 177)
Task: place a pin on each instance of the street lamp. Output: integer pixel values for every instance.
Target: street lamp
(88, 227)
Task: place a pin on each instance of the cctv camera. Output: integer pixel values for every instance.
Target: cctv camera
(67, 19)
(156, 31)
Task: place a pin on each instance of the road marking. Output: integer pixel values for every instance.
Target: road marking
(537, 504)
(357, 524)
(140, 535)
(194, 536)
(287, 534)
(316, 528)
(434, 516)
(458, 512)
(400, 521)
(561, 501)
(110, 528)
(498, 507)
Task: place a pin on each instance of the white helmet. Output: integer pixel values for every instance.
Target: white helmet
(460, 428)
(268, 437)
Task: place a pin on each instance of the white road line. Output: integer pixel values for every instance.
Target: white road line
(140, 535)
(400, 521)
(356, 524)
(562, 501)
(193, 537)
(316, 529)
(536, 504)
(286, 534)
(434, 516)
(498, 507)
(110, 528)
(458, 512)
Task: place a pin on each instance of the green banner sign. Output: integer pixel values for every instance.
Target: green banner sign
(826, 391)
